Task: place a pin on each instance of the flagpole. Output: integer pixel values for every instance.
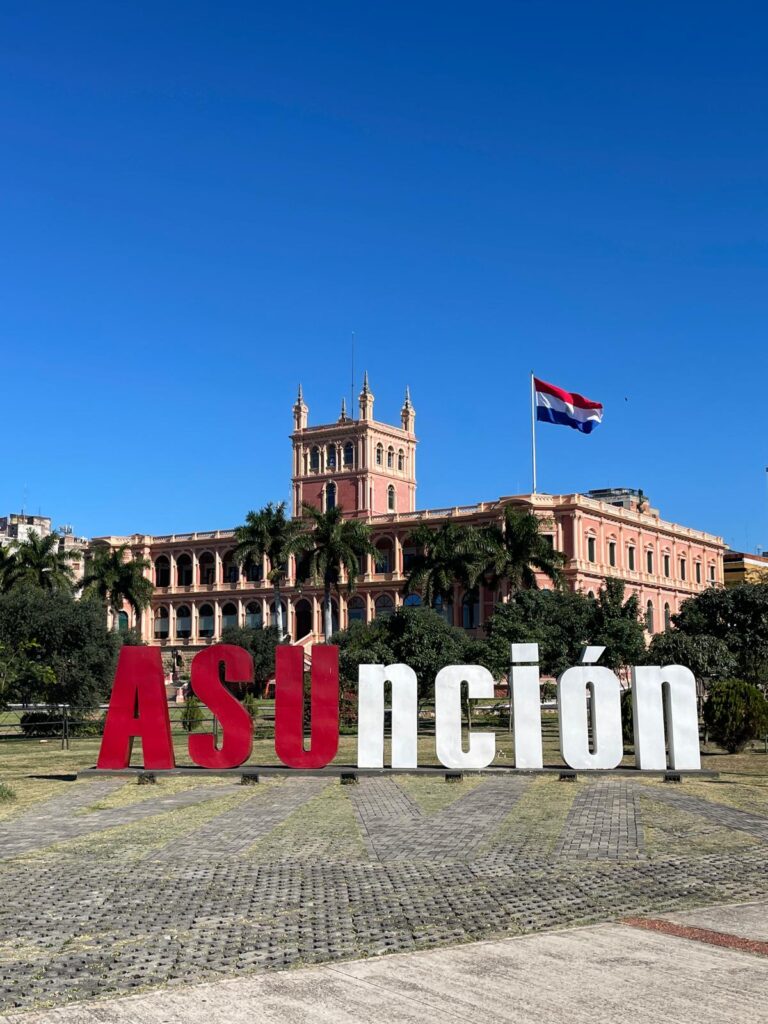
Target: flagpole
(533, 431)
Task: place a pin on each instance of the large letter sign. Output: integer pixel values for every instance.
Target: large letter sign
(664, 710)
(137, 709)
(482, 749)
(236, 725)
(289, 706)
(678, 687)
(370, 716)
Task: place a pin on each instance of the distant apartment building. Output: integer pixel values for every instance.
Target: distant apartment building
(368, 467)
(18, 526)
(740, 567)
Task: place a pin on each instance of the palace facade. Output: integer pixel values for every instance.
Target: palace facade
(368, 467)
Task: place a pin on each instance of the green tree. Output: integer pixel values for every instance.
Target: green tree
(269, 534)
(192, 714)
(616, 625)
(735, 712)
(336, 546)
(64, 652)
(261, 645)
(8, 568)
(418, 637)
(706, 656)
(560, 621)
(448, 555)
(116, 580)
(517, 550)
(40, 563)
(739, 617)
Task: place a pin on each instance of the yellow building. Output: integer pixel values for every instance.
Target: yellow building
(739, 567)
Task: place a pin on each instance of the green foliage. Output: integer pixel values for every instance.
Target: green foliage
(738, 616)
(192, 715)
(627, 718)
(708, 657)
(517, 550)
(116, 579)
(269, 534)
(38, 562)
(562, 622)
(6, 793)
(260, 644)
(42, 723)
(250, 705)
(54, 649)
(735, 712)
(417, 637)
(448, 555)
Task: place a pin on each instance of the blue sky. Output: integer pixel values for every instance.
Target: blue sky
(200, 202)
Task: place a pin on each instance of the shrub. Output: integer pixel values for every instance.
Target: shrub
(250, 705)
(6, 794)
(192, 715)
(627, 719)
(735, 713)
(42, 723)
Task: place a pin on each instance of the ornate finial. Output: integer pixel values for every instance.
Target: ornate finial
(343, 408)
(407, 402)
(300, 396)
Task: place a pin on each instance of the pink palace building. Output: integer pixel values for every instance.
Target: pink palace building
(368, 467)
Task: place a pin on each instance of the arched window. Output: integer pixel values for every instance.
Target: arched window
(391, 503)
(122, 622)
(649, 560)
(206, 621)
(412, 601)
(331, 456)
(444, 608)
(591, 549)
(383, 562)
(379, 454)
(183, 623)
(253, 615)
(231, 569)
(273, 615)
(356, 609)
(470, 611)
(254, 572)
(330, 496)
(649, 616)
(666, 565)
(631, 558)
(667, 616)
(349, 454)
(161, 623)
(698, 572)
(712, 573)
(229, 616)
(314, 459)
(384, 606)
(612, 552)
(390, 457)
(162, 571)
(207, 569)
(591, 593)
(683, 568)
(401, 460)
(184, 571)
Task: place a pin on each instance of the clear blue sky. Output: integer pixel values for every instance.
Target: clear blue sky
(200, 202)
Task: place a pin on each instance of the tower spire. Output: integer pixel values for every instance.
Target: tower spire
(300, 411)
(407, 413)
(366, 400)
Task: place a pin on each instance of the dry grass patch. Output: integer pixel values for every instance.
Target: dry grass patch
(538, 817)
(670, 831)
(324, 828)
(431, 793)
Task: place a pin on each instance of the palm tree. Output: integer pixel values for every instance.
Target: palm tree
(517, 550)
(8, 568)
(117, 581)
(41, 563)
(335, 546)
(269, 534)
(449, 555)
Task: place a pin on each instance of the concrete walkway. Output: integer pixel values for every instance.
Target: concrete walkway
(681, 968)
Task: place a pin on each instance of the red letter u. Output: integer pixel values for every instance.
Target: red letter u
(289, 706)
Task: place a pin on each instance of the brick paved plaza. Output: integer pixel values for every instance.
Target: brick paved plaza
(110, 887)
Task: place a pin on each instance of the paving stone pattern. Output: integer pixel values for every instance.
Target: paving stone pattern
(604, 821)
(73, 925)
(729, 817)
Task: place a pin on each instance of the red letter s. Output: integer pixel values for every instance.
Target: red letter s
(236, 725)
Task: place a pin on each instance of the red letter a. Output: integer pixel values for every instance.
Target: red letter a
(289, 706)
(137, 707)
(236, 724)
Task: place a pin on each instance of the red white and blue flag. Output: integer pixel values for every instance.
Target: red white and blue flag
(567, 408)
